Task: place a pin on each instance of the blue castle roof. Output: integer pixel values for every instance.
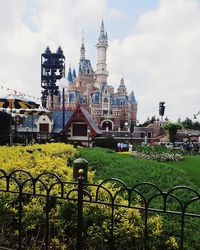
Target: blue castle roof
(69, 76)
(132, 97)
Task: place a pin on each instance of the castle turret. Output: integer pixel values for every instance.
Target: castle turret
(132, 98)
(122, 88)
(69, 76)
(102, 45)
(74, 74)
(85, 67)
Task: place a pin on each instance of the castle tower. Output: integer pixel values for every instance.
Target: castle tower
(101, 73)
(133, 107)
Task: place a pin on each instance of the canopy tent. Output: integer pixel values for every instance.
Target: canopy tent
(31, 111)
(17, 102)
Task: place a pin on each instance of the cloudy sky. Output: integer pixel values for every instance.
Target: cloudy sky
(154, 43)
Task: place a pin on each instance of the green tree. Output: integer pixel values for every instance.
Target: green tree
(149, 121)
(188, 123)
(172, 128)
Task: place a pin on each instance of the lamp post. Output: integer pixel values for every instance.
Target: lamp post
(63, 84)
(131, 131)
(10, 130)
(88, 131)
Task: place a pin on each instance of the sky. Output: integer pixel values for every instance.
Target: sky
(154, 44)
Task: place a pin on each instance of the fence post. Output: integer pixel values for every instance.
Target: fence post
(80, 210)
(80, 167)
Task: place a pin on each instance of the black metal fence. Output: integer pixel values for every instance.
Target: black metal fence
(23, 185)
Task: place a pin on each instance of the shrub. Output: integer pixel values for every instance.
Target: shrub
(108, 142)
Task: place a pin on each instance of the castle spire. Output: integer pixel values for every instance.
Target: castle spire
(103, 35)
(74, 74)
(69, 76)
(82, 56)
(102, 26)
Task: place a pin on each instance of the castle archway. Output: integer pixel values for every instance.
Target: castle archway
(107, 125)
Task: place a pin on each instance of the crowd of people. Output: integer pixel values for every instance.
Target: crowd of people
(190, 147)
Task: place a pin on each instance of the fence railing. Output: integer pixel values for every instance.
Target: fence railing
(50, 187)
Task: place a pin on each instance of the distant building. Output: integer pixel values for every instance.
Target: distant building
(110, 110)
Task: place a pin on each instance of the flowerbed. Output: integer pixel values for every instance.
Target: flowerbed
(157, 153)
(161, 157)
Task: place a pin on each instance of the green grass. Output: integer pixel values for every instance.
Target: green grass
(108, 164)
(191, 165)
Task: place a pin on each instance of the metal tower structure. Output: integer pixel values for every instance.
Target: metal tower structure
(52, 69)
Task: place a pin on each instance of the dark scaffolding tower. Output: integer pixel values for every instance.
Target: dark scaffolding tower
(52, 69)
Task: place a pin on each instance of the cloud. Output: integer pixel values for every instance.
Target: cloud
(114, 13)
(163, 50)
(27, 27)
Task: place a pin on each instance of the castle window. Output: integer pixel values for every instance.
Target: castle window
(105, 99)
(106, 91)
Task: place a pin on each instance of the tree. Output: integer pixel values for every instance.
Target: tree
(189, 124)
(149, 121)
(172, 128)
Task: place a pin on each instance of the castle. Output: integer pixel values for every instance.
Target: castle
(109, 110)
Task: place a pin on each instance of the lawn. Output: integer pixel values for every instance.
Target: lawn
(191, 165)
(108, 164)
